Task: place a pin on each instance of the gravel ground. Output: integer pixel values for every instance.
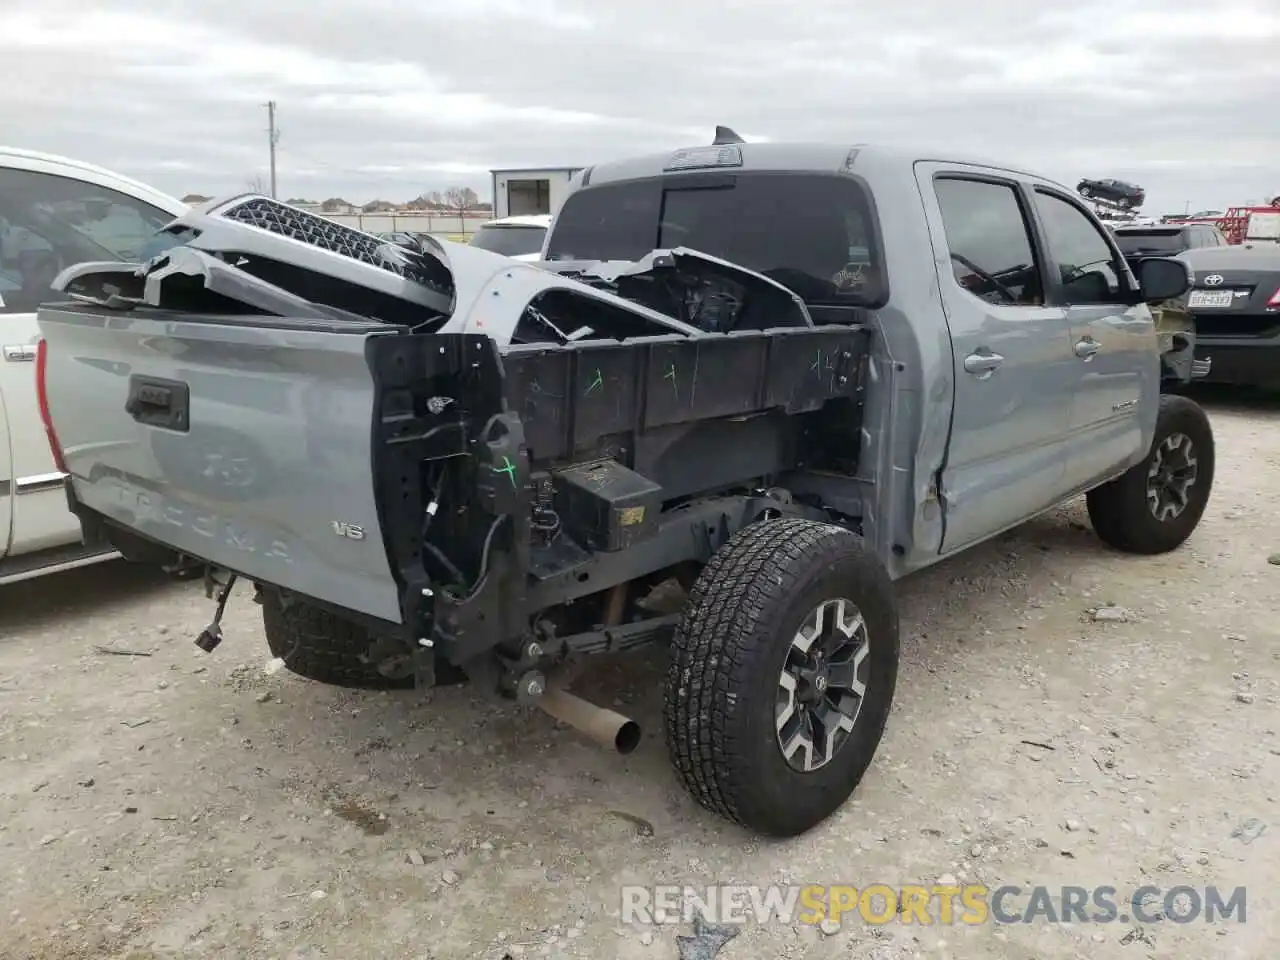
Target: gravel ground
(184, 804)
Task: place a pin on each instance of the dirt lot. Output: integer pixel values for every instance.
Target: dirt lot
(190, 805)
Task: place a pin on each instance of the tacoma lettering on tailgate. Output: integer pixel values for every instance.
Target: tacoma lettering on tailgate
(154, 508)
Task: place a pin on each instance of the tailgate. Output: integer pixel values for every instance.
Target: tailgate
(245, 442)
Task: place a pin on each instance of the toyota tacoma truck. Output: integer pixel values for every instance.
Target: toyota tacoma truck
(748, 388)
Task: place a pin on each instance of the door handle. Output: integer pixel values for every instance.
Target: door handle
(19, 353)
(160, 403)
(982, 365)
(1087, 347)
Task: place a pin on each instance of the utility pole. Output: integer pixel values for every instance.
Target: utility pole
(274, 138)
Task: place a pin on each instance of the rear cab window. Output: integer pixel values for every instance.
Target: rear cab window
(1156, 242)
(812, 232)
(989, 240)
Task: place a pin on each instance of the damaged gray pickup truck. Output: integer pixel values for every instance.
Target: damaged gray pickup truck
(748, 387)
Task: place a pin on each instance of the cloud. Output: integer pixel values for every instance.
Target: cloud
(390, 99)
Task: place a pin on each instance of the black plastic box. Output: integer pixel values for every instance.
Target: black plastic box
(605, 506)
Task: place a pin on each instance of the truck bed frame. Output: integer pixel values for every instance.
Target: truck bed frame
(549, 474)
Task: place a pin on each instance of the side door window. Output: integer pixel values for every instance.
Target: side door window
(988, 241)
(1089, 269)
(49, 222)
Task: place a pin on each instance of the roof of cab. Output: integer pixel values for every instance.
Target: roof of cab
(782, 156)
(39, 162)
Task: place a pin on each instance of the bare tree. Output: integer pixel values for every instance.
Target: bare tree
(256, 184)
(427, 200)
(460, 200)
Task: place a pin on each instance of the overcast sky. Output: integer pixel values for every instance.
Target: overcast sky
(382, 99)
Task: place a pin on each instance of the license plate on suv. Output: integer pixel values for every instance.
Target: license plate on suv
(1210, 298)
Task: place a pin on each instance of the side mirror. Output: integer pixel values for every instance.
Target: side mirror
(1163, 278)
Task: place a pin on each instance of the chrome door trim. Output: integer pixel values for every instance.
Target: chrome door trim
(39, 483)
(19, 353)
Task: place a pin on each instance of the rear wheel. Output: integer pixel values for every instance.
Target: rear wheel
(322, 646)
(1157, 504)
(782, 675)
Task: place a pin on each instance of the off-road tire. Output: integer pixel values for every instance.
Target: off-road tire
(1118, 509)
(321, 646)
(728, 652)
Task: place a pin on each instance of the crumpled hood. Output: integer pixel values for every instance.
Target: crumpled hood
(275, 258)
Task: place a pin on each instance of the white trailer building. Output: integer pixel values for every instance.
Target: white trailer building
(528, 191)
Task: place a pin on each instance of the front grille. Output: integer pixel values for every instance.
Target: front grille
(286, 221)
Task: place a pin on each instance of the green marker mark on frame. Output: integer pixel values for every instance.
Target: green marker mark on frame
(509, 470)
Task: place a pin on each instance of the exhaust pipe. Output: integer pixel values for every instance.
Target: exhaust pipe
(607, 728)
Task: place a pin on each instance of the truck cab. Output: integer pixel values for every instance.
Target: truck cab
(53, 212)
(1015, 349)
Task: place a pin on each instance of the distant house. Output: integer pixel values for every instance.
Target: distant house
(337, 205)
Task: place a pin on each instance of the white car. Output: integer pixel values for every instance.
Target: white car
(519, 238)
(54, 212)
